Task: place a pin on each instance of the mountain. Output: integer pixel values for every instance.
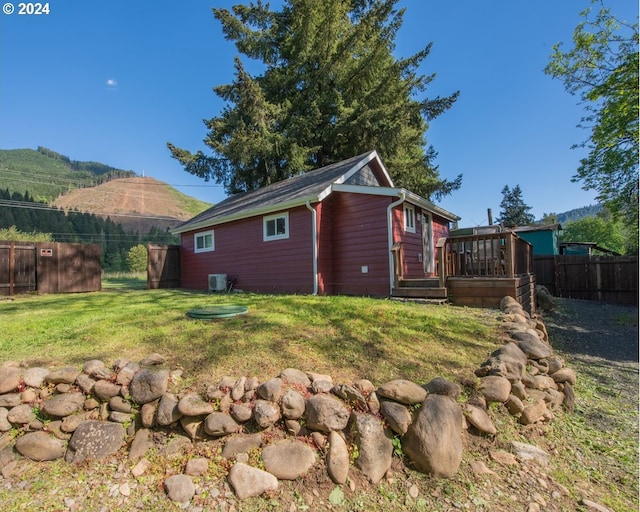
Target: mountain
(46, 174)
(579, 213)
(136, 203)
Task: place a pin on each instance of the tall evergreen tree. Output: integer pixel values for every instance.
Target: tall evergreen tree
(331, 89)
(513, 210)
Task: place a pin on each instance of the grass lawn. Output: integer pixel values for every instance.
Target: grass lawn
(347, 337)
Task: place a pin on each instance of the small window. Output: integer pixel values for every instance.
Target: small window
(203, 242)
(409, 218)
(276, 227)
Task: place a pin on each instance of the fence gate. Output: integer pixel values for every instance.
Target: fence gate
(163, 266)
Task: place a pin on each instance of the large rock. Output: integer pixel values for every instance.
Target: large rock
(179, 488)
(248, 481)
(95, 440)
(533, 412)
(479, 419)
(63, 405)
(192, 405)
(288, 459)
(65, 375)
(397, 415)
(220, 424)
(295, 377)
(403, 391)
(434, 440)
(35, 377)
(292, 404)
(442, 386)
(266, 413)
(105, 389)
(9, 379)
(241, 444)
(337, 458)
(529, 342)
(40, 446)
(148, 385)
(271, 390)
(508, 361)
(325, 413)
(168, 411)
(21, 415)
(565, 375)
(495, 388)
(375, 449)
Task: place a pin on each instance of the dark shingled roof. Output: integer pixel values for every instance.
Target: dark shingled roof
(307, 186)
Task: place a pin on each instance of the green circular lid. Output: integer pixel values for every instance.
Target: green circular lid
(224, 311)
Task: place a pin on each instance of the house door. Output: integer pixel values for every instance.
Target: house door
(427, 243)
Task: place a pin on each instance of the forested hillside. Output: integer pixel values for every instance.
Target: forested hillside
(28, 216)
(45, 174)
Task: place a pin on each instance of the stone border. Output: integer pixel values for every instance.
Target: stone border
(90, 414)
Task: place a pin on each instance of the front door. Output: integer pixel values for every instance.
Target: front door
(427, 243)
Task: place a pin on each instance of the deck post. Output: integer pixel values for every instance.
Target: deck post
(510, 264)
(442, 264)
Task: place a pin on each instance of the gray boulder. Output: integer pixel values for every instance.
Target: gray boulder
(40, 446)
(271, 390)
(375, 449)
(63, 405)
(266, 413)
(241, 444)
(95, 440)
(325, 413)
(179, 488)
(248, 482)
(35, 377)
(292, 404)
(441, 386)
(288, 459)
(337, 458)
(434, 440)
(295, 377)
(168, 411)
(531, 345)
(147, 385)
(495, 388)
(397, 416)
(479, 419)
(220, 424)
(65, 375)
(403, 391)
(192, 405)
(9, 379)
(105, 390)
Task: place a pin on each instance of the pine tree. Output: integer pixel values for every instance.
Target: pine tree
(331, 89)
(513, 210)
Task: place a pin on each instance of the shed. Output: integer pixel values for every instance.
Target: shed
(544, 238)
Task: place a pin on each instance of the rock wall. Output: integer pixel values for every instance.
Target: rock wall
(91, 413)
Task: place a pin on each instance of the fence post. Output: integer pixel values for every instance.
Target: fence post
(12, 267)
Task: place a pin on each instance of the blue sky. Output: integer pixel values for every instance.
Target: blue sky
(114, 81)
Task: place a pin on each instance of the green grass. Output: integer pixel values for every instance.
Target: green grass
(348, 337)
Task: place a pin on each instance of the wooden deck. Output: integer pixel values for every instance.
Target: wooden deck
(478, 271)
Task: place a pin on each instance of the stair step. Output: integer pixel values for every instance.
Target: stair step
(424, 293)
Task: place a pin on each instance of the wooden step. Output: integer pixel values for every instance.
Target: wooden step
(432, 282)
(420, 292)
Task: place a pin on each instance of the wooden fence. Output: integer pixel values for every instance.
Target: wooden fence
(49, 267)
(163, 266)
(612, 279)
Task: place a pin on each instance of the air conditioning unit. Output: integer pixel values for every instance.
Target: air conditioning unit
(217, 282)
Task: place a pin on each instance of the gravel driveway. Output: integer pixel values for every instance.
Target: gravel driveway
(601, 340)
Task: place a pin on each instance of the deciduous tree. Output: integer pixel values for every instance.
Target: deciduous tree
(331, 89)
(602, 68)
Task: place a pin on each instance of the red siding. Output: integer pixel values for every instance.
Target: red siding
(278, 266)
(359, 239)
(325, 247)
(412, 250)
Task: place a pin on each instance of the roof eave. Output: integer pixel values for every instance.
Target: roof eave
(209, 223)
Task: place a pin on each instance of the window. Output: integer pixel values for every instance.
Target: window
(203, 242)
(276, 227)
(409, 218)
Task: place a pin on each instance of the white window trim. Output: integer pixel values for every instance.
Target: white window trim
(203, 234)
(265, 220)
(409, 215)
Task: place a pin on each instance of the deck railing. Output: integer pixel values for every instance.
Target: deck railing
(488, 255)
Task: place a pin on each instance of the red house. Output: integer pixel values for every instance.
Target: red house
(340, 229)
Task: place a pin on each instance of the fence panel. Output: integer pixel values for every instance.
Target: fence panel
(163, 266)
(611, 279)
(49, 267)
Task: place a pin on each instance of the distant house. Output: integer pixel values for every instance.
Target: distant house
(339, 229)
(544, 238)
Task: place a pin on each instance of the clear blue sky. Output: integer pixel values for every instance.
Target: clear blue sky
(113, 81)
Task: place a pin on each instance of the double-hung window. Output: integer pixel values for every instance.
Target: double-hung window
(275, 227)
(203, 241)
